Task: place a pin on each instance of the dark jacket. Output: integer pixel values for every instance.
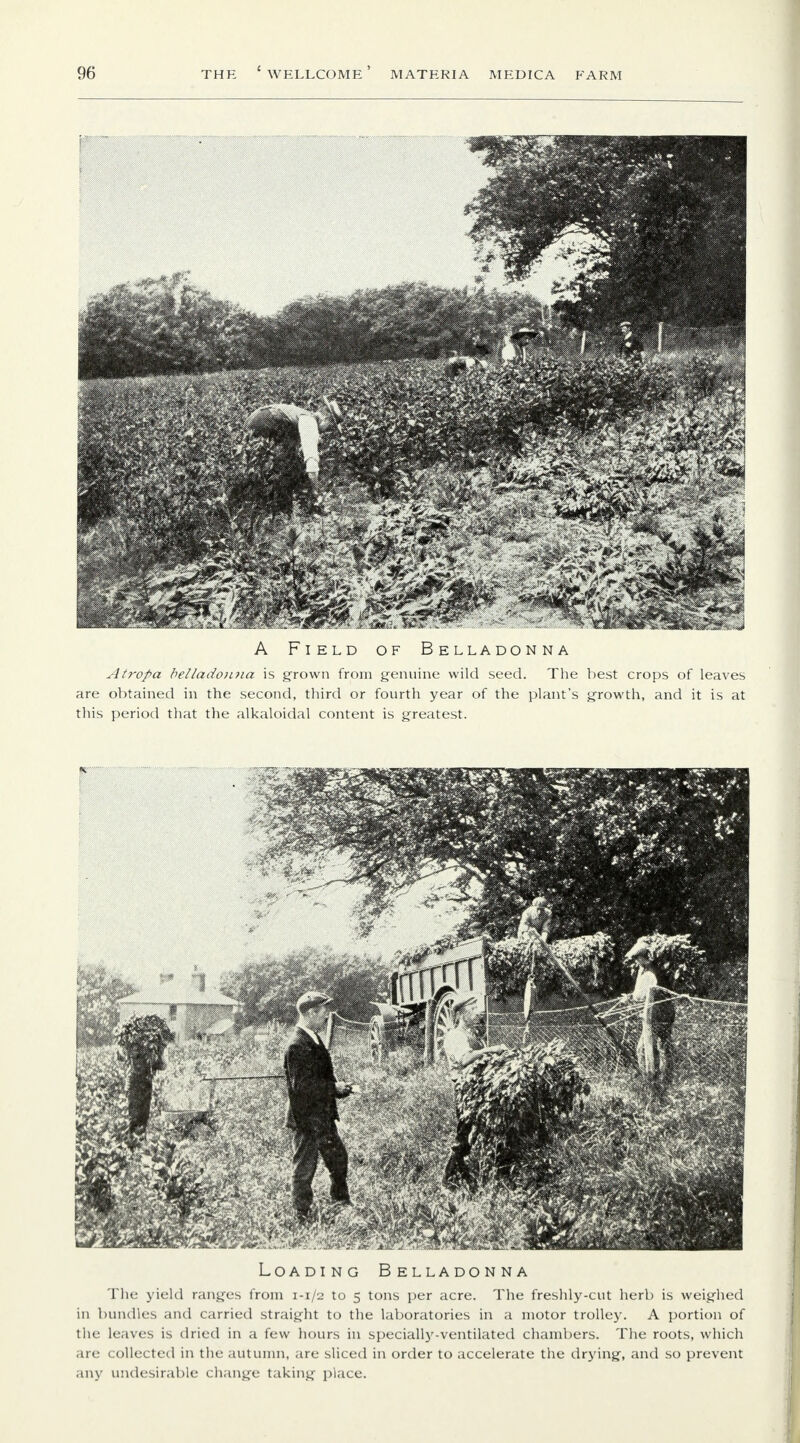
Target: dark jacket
(311, 1085)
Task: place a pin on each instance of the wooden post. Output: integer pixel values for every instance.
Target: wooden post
(660, 336)
(329, 1031)
(583, 342)
(429, 1058)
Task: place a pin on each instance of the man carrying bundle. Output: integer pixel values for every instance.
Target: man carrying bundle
(461, 1051)
(292, 435)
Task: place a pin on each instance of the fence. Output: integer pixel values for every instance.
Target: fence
(708, 1039)
(708, 1045)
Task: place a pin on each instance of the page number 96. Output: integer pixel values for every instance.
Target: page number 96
(86, 72)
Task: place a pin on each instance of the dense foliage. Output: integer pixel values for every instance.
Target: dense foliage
(612, 493)
(592, 961)
(516, 1099)
(680, 965)
(621, 851)
(99, 990)
(162, 325)
(656, 223)
(616, 1174)
(141, 1042)
(268, 989)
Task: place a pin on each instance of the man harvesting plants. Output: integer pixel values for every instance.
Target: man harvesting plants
(293, 434)
(461, 1051)
(311, 1110)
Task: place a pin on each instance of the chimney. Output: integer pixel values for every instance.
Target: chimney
(166, 977)
(198, 980)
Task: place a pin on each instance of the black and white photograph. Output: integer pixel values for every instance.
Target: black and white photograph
(412, 381)
(412, 1008)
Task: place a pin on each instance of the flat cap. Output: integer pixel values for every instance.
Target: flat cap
(313, 999)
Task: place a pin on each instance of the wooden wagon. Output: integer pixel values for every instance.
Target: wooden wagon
(422, 998)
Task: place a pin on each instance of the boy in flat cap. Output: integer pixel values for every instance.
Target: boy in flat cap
(460, 1051)
(311, 1110)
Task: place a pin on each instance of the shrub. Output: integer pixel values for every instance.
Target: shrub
(513, 1099)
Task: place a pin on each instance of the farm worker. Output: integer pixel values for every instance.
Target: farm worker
(456, 364)
(508, 351)
(460, 1051)
(655, 1000)
(294, 432)
(534, 928)
(311, 1110)
(140, 1043)
(630, 345)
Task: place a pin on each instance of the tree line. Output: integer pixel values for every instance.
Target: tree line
(626, 851)
(169, 325)
(651, 228)
(623, 851)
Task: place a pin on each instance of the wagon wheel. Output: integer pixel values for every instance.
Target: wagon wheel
(443, 1020)
(376, 1041)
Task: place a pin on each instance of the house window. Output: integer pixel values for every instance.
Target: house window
(173, 1011)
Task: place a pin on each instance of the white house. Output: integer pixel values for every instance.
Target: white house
(191, 1009)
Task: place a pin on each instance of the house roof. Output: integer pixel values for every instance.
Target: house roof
(179, 992)
(216, 1029)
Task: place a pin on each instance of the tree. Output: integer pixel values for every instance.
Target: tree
(164, 325)
(99, 990)
(668, 212)
(268, 989)
(628, 851)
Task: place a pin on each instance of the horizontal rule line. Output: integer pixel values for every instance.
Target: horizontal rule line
(404, 99)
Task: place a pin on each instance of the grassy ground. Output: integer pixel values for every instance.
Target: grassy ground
(603, 513)
(628, 1171)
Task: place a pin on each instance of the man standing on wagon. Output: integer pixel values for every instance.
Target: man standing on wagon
(311, 1110)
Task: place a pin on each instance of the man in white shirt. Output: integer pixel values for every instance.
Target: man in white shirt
(657, 1002)
(460, 1052)
(293, 433)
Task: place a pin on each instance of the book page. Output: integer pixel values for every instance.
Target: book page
(401, 761)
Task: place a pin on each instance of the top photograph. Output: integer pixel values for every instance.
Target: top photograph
(420, 381)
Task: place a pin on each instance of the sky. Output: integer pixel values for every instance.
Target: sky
(264, 220)
(164, 881)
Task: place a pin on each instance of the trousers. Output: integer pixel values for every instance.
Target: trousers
(456, 1167)
(307, 1149)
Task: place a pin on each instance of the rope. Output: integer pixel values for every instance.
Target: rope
(350, 1022)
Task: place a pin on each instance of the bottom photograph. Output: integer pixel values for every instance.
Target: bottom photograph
(412, 1008)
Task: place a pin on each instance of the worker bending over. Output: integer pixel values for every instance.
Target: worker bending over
(292, 458)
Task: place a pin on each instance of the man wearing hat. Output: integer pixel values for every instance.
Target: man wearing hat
(630, 345)
(311, 1110)
(656, 1002)
(294, 435)
(460, 1051)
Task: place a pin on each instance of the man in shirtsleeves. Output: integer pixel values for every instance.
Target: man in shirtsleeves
(311, 1111)
(656, 1000)
(292, 433)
